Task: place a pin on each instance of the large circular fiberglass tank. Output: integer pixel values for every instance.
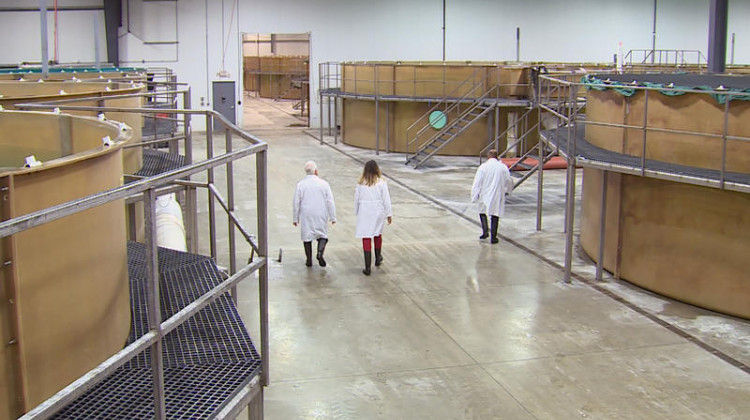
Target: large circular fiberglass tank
(64, 304)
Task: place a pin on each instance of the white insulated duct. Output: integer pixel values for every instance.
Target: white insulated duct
(170, 229)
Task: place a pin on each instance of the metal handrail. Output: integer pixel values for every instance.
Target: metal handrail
(444, 102)
(515, 143)
(326, 76)
(644, 169)
(149, 188)
(456, 106)
(650, 57)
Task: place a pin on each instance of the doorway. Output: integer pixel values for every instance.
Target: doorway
(276, 70)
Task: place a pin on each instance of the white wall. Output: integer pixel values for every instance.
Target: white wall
(551, 30)
(20, 32)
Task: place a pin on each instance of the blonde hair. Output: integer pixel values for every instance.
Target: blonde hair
(370, 174)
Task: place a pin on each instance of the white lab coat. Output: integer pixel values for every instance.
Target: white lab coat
(313, 207)
(372, 206)
(491, 182)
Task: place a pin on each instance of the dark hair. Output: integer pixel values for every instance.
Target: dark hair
(492, 154)
(371, 174)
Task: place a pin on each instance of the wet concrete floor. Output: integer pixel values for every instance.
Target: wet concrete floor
(452, 327)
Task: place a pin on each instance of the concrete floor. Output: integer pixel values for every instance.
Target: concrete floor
(451, 327)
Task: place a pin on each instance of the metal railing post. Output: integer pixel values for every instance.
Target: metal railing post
(567, 179)
(191, 196)
(321, 77)
(645, 132)
(261, 165)
(728, 99)
(335, 120)
(415, 81)
(602, 225)
(537, 89)
(153, 302)
(497, 127)
(540, 174)
(230, 210)
(539, 186)
(377, 112)
(387, 127)
(211, 198)
(329, 115)
(571, 194)
(321, 117)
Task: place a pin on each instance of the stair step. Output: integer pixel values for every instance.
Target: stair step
(525, 165)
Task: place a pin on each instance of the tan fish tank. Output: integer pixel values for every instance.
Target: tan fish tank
(679, 239)
(64, 301)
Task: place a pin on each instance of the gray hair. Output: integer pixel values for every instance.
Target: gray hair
(310, 167)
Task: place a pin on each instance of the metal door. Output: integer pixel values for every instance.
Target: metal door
(224, 100)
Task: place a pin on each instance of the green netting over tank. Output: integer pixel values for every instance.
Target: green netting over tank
(721, 94)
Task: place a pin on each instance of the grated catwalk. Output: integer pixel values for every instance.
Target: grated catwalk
(589, 151)
(206, 360)
(156, 162)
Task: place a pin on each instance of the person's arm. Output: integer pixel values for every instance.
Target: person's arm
(386, 197)
(330, 204)
(476, 186)
(508, 182)
(356, 200)
(296, 205)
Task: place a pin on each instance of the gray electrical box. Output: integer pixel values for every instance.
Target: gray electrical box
(224, 100)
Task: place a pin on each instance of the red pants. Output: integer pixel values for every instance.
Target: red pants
(367, 246)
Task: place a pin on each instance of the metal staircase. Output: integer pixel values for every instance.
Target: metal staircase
(449, 133)
(565, 102)
(295, 83)
(458, 113)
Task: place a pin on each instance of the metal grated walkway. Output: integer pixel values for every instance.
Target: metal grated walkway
(501, 102)
(207, 360)
(588, 154)
(156, 162)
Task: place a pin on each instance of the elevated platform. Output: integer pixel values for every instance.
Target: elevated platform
(588, 155)
(501, 102)
(207, 360)
(159, 125)
(156, 162)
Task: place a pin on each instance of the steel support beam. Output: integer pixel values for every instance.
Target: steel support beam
(112, 21)
(717, 36)
(43, 37)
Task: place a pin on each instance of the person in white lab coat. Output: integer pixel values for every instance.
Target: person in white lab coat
(492, 183)
(372, 206)
(312, 209)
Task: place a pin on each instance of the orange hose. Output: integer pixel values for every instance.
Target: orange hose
(555, 162)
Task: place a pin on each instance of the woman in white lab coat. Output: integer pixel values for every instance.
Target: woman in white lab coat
(372, 206)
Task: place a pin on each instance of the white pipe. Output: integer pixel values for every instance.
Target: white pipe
(170, 229)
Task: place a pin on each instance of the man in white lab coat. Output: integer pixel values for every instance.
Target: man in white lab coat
(313, 208)
(492, 183)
